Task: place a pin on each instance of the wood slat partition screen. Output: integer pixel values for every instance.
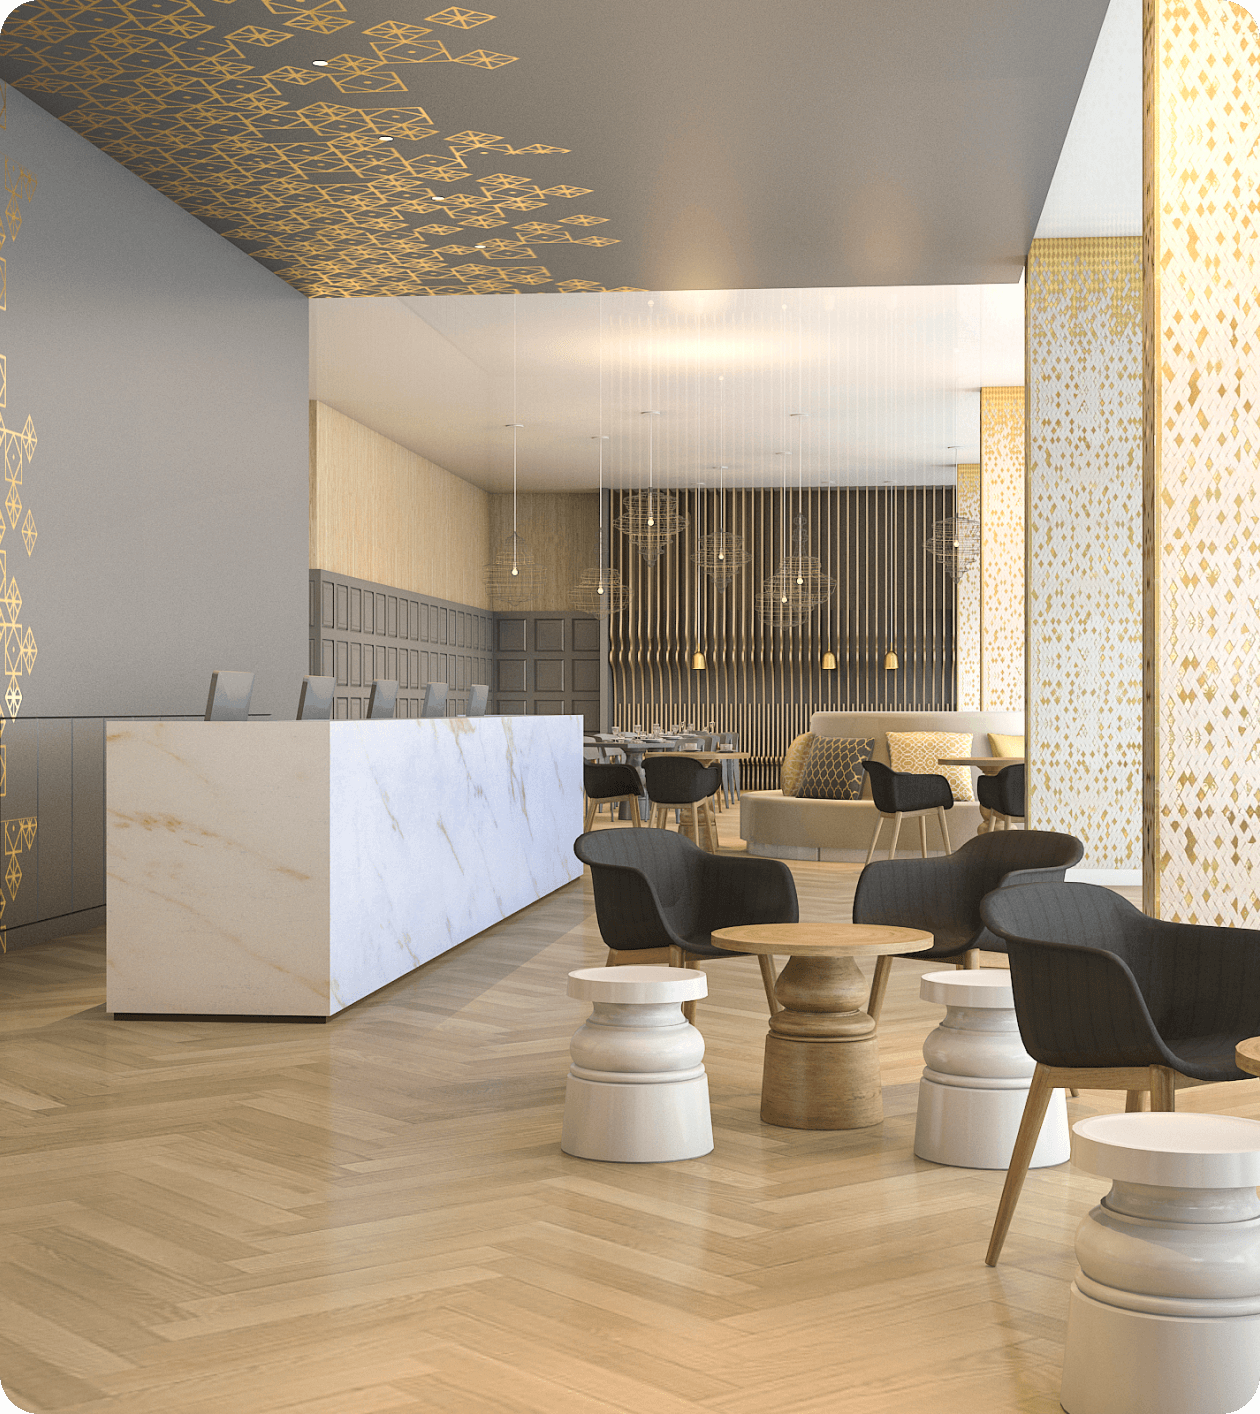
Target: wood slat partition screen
(765, 682)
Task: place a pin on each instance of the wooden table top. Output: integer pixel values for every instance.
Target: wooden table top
(707, 757)
(1247, 1055)
(986, 763)
(821, 939)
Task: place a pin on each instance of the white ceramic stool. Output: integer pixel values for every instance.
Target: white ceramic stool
(1164, 1316)
(637, 1092)
(972, 1094)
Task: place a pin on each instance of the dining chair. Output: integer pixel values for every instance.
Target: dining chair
(659, 899)
(612, 784)
(729, 741)
(681, 783)
(1109, 999)
(902, 795)
(942, 895)
(1003, 795)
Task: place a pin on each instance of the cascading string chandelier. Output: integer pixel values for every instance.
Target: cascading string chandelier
(513, 577)
(788, 598)
(721, 554)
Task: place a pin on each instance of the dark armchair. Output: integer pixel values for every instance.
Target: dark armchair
(901, 795)
(942, 895)
(1109, 999)
(1003, 794)
(658, 898)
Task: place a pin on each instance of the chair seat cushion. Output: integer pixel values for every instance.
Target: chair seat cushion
(701, 945)
(1207, 1057)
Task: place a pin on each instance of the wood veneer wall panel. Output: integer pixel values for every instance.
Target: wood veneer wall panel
(561, 531)
(382, 513)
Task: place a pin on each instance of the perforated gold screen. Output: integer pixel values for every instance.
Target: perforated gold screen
(1084, 346)
(968, 587)
(1002, 549)
(1201, 445)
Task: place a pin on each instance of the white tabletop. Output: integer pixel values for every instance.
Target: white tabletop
(973, 987)
(1170, 1150)
(638, 985)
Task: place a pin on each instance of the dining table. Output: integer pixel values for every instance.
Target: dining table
(987, 766)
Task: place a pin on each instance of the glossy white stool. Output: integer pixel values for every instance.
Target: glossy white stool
(637, 1092)
(972, 1094)
(1164, 1315)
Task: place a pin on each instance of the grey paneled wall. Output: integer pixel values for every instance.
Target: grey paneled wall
(548, 665)
(360, 631)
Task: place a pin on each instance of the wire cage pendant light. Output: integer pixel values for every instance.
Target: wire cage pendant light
(790, 595)
(954, 543)
(599, 589)
(651, 520)
(721, 554)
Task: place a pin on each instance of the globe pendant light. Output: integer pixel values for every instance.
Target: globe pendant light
(788, 598)
(599, 590)
(720, 554)
(651, 519)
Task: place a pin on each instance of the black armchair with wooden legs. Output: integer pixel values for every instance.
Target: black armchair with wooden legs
(907, 795)
(1109, 999)
(613, 784)
(659, 898)
(942, 895)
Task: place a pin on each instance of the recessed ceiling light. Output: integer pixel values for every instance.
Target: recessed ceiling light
(319, 63)
(384, 139)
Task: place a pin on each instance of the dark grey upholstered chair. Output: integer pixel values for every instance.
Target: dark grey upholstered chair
(611, 783)
(1109, 999)
(1003, 794)
(658, 898)
(898, 794)
(679, 782)
(943, 895)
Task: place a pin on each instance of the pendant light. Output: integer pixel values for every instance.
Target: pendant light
(513, 577)
(599, 590)
(890, 657)
(721, 555)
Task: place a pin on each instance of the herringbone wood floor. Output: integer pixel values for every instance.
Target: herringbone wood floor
(375, 1214)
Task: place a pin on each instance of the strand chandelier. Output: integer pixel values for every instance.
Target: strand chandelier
(513, 578)
(721, 554)
(788, 598)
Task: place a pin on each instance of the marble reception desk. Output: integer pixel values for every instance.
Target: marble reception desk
(291, 868)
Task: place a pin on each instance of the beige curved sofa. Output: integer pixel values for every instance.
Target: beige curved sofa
(786, 827)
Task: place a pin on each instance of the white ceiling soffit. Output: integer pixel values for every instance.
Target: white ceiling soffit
(1097, 186)
(888, 379)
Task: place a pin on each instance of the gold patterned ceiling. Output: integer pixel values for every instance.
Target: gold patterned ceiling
(303, 132)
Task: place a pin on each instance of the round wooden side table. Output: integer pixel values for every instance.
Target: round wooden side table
(822, 1056)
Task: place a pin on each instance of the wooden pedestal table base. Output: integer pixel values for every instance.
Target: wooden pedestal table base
(822, 1056)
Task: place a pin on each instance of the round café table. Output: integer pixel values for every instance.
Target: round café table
(1247, 1055)
(987, 766)
(822, 1057)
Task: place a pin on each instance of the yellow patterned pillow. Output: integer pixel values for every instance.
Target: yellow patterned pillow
(794, 760)
(1001, 745)
(919, 753)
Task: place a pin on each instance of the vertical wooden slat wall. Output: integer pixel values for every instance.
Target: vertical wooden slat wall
(764, 683)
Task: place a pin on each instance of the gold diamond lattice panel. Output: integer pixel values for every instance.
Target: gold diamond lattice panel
(1201, 438)
(967, 589)
(1084, 342)
(297, 131)
(1002, 549)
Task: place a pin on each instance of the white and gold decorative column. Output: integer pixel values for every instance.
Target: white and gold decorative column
(967, 588)
(1200, 456)
(1001, 549)
(1084, 368)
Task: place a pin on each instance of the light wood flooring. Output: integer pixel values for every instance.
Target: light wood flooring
(375, 1214)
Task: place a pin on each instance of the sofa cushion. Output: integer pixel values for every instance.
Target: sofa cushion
(919, 754)
(794, 760)
(1002, 745)
(834, 768)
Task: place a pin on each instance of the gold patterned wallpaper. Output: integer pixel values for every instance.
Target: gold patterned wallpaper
(19, 448)
(967, 632)
(1200, 448)
(292, 128)
(1002, 549)
(1084, 356)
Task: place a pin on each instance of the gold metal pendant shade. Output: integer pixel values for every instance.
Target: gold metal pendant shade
(955, 544)
(721, 556)
(651, 521)
(513, 577)
(600, 592)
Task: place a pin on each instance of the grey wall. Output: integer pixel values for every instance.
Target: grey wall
(164, 374)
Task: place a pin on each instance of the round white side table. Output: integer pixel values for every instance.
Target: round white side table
(637, 1092)
(1164, 1315)
(975, 1083)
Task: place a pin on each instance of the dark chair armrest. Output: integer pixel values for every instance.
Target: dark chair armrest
(747, 890)
(911, 893)
(629, 912)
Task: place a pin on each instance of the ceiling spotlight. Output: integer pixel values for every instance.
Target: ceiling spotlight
(319, 63)
(384, 139)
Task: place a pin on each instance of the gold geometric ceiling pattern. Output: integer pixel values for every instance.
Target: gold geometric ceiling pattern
(320, 167)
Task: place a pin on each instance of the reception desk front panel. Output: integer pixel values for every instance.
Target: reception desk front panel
(291, 868)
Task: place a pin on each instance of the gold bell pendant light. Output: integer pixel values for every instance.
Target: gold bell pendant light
(698, 664)
(829, 661)
(891, 663)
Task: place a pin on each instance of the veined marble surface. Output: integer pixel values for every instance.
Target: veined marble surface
(291, 868)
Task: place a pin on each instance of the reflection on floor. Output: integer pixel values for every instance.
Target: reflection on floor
(375, 1214)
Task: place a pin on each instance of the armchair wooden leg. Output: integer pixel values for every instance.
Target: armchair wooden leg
(676, 957)
(1039, 1092)
(940, 815)
(1074, 1092)
(879, 985)
(632, 805)
(689, 1008)
(892, 848)
(1134, 1102)
(1163, 1089)
(879, 825)
(768, 979)
(923, 835)
(971, 959)
(588, 819)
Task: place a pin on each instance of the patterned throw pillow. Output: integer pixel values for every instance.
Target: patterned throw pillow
(919, 753)
(834, 769)
(794, 760)
(1001, 745)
